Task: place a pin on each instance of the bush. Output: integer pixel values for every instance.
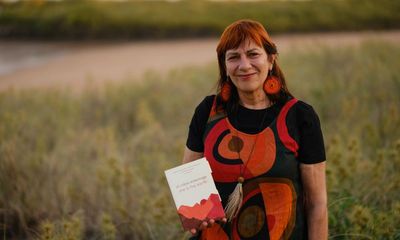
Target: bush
(161, 19)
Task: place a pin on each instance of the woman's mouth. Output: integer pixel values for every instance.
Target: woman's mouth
(245, 76)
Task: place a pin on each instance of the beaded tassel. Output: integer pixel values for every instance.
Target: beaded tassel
(235, 201)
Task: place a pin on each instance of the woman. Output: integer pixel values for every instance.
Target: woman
(264, 146)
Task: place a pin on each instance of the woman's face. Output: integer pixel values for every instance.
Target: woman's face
(247, 66)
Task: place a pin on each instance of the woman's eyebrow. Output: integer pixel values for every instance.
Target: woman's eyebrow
(235, 52)
(231, 52)
(253, 49)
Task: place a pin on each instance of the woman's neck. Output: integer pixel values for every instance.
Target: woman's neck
(254, 100)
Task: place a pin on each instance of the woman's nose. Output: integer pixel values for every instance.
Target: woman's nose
(244, 63)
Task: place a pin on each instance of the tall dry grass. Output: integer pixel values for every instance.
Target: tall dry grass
(91, 166)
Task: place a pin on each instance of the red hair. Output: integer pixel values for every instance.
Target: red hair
(236, 34)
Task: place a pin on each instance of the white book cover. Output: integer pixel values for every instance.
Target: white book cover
(194, 193)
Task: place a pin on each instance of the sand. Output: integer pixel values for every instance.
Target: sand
(74, 65)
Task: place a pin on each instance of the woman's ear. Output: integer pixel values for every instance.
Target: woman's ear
(271, 60)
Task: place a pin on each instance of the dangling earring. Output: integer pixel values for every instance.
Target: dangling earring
(226, 90)
(272, 85)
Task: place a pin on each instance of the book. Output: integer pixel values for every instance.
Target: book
(195, 195)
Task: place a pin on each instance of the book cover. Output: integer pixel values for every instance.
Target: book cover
(194, 193)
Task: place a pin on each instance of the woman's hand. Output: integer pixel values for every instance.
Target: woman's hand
(205, 225)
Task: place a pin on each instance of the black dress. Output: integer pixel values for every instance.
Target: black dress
(265, 147)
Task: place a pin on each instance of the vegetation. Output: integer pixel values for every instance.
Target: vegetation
(91, 166)
(162, 19)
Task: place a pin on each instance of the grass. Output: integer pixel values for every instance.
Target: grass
(162, 19)
(91, 166)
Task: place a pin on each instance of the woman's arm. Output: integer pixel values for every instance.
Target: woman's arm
(314, 185)
(189, 155)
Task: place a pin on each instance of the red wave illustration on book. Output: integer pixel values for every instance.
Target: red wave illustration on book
(207, 209)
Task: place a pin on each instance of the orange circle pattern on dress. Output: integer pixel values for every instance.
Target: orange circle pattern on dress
(251, 221)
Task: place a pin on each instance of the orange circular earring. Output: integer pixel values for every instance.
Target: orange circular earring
(272, 85)
(225, 91)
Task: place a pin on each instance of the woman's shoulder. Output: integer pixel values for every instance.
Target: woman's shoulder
(304, 115)
(208, 100)
(303, 107)
(307, 127)
(205, 105)
(197, 125)
(299, 108)
(203, 109)
(304, 110)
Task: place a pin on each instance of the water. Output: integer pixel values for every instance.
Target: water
(20, 55)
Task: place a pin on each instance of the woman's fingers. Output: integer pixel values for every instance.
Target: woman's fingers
(211, 222)
(205, 224)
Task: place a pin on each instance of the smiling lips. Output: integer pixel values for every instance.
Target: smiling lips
(245, 76)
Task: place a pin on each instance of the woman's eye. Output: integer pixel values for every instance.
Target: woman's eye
(232, 57)
(253, 54)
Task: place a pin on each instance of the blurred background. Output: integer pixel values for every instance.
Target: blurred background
(96, 98)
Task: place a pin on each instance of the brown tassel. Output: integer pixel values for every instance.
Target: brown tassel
(234, 202)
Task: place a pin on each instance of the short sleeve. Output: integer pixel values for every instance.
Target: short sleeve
(311, 142)
(198, 125)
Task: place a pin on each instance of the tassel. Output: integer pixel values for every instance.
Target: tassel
(235, 201)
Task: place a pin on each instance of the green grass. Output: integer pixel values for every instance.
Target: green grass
(91, 166)
(161, 19)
